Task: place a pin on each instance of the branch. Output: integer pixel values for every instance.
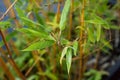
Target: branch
(10, 59)
(8, 10)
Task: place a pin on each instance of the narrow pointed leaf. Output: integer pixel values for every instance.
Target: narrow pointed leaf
(69, 59)
(39, 45)
(33, 32)
(91, 36)
(95, 21)
(64, 14)
(99, 20)
(30, 22)
(63, 54)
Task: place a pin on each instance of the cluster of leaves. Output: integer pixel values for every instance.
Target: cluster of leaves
(95, 75)
(43, 35)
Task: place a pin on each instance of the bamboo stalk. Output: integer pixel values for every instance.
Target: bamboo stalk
(71, 19)
(36, 57)
(82, 41)
(12, 44)
(55, 46)
(2, 54)
(37, 3)
(6, 70)
(11, 12)
(37, 62)
(10, 58)
(58, 11)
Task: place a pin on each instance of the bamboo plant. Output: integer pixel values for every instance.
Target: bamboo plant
(55, 38)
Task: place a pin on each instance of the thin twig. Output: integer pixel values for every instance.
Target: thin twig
(12, 13)
(30, 69)
(8, 10)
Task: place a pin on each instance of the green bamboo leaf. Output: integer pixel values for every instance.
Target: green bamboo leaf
(33, 32)
(94, 21)
(103, 21)
(39, 45)
(29, 22)
(95, 75)
(63, 54)
(64, 14)
(69, 59)
(75, 46)
(98, 20)
(91, 36)
(98, 32)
